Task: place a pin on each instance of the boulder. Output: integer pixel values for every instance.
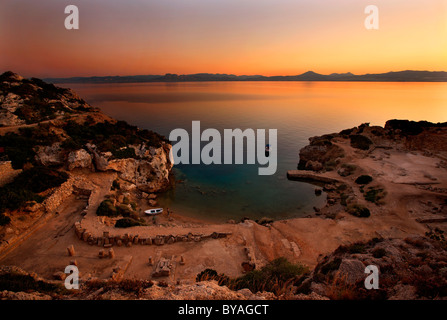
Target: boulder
(353, 270)
(50, 155)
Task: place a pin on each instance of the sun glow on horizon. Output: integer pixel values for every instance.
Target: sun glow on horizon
(284, 37)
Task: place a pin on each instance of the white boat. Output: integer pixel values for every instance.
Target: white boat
(153, 212)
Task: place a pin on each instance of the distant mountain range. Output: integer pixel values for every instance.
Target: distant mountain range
(400, 76)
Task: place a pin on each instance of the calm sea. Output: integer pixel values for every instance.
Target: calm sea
(298, 110)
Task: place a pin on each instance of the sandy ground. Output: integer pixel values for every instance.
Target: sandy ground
(405, 176)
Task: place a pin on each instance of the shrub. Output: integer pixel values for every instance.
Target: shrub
(39, 179)
(374, 195)
(4, 220)
(379, 253)
(124, 153)
(347, 169)
(346, 132)
(363, 179)
(211, 274)
(275, 277)
(13, 198)
(264, 221)
(116, 185)
(358, 210)
(20, 282)
(112, 136)
(106, 208)
(27, 184)
(330, 165)
(330, 266)
(357, 247)
(123, 210)
(361, 142)
(128, 222)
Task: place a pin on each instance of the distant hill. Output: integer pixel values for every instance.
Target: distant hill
(400, 76)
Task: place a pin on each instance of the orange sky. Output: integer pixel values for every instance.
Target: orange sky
(270, 37)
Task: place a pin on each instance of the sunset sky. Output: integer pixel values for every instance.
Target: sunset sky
(270, 37)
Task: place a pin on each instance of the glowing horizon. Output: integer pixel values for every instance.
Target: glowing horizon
(282, 37)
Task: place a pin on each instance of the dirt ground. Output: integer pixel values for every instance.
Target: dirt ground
(406, 178)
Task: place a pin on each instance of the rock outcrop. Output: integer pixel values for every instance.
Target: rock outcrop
(73, 135)
(410, 268)
(79, 159)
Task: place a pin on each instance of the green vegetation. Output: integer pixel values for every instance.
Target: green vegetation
(19, 147)
(346, 132)
(330, 266)
(116, 185)
(363, 179)
(358, 210)
(274, 277)
(379, 253)
(106, 208)
(4, 220)
(128, 222)
(125, 153)
(19, 282)
(211, 274)
(27, 185)
(374, 194)
(330, 165)
(347, 169)
(361, 142)
(114, 137)
(277, 276)
(263, 221)
(357, 247)
(39, 179)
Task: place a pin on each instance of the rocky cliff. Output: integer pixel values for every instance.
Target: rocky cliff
(322, 154)
(44, 125)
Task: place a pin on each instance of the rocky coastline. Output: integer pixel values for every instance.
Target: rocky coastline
(84, 174)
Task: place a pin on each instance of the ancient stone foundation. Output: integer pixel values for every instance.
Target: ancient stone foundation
(108, 240)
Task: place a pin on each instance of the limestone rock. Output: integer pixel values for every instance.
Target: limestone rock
(79, 159)
(353, 270)
(50, 155)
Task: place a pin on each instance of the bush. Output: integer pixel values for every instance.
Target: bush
(374, 195)
(379, 253)
(27, 184)
(20, 282)
(263, 221)
(124, 153)
(347, 169)
(116, 185)
(358, 210)
(123, 210)
(363, 179)
(39, 179)
(211, 274)
(106, 208)
(128, 222)
(13, 198)
(330, 165)
(357, 247)
(330, 266)
(4, 220)
(275, 277)
(113, 136)
(361, 142)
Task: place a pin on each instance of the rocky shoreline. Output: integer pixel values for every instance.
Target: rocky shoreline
(386, 205)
